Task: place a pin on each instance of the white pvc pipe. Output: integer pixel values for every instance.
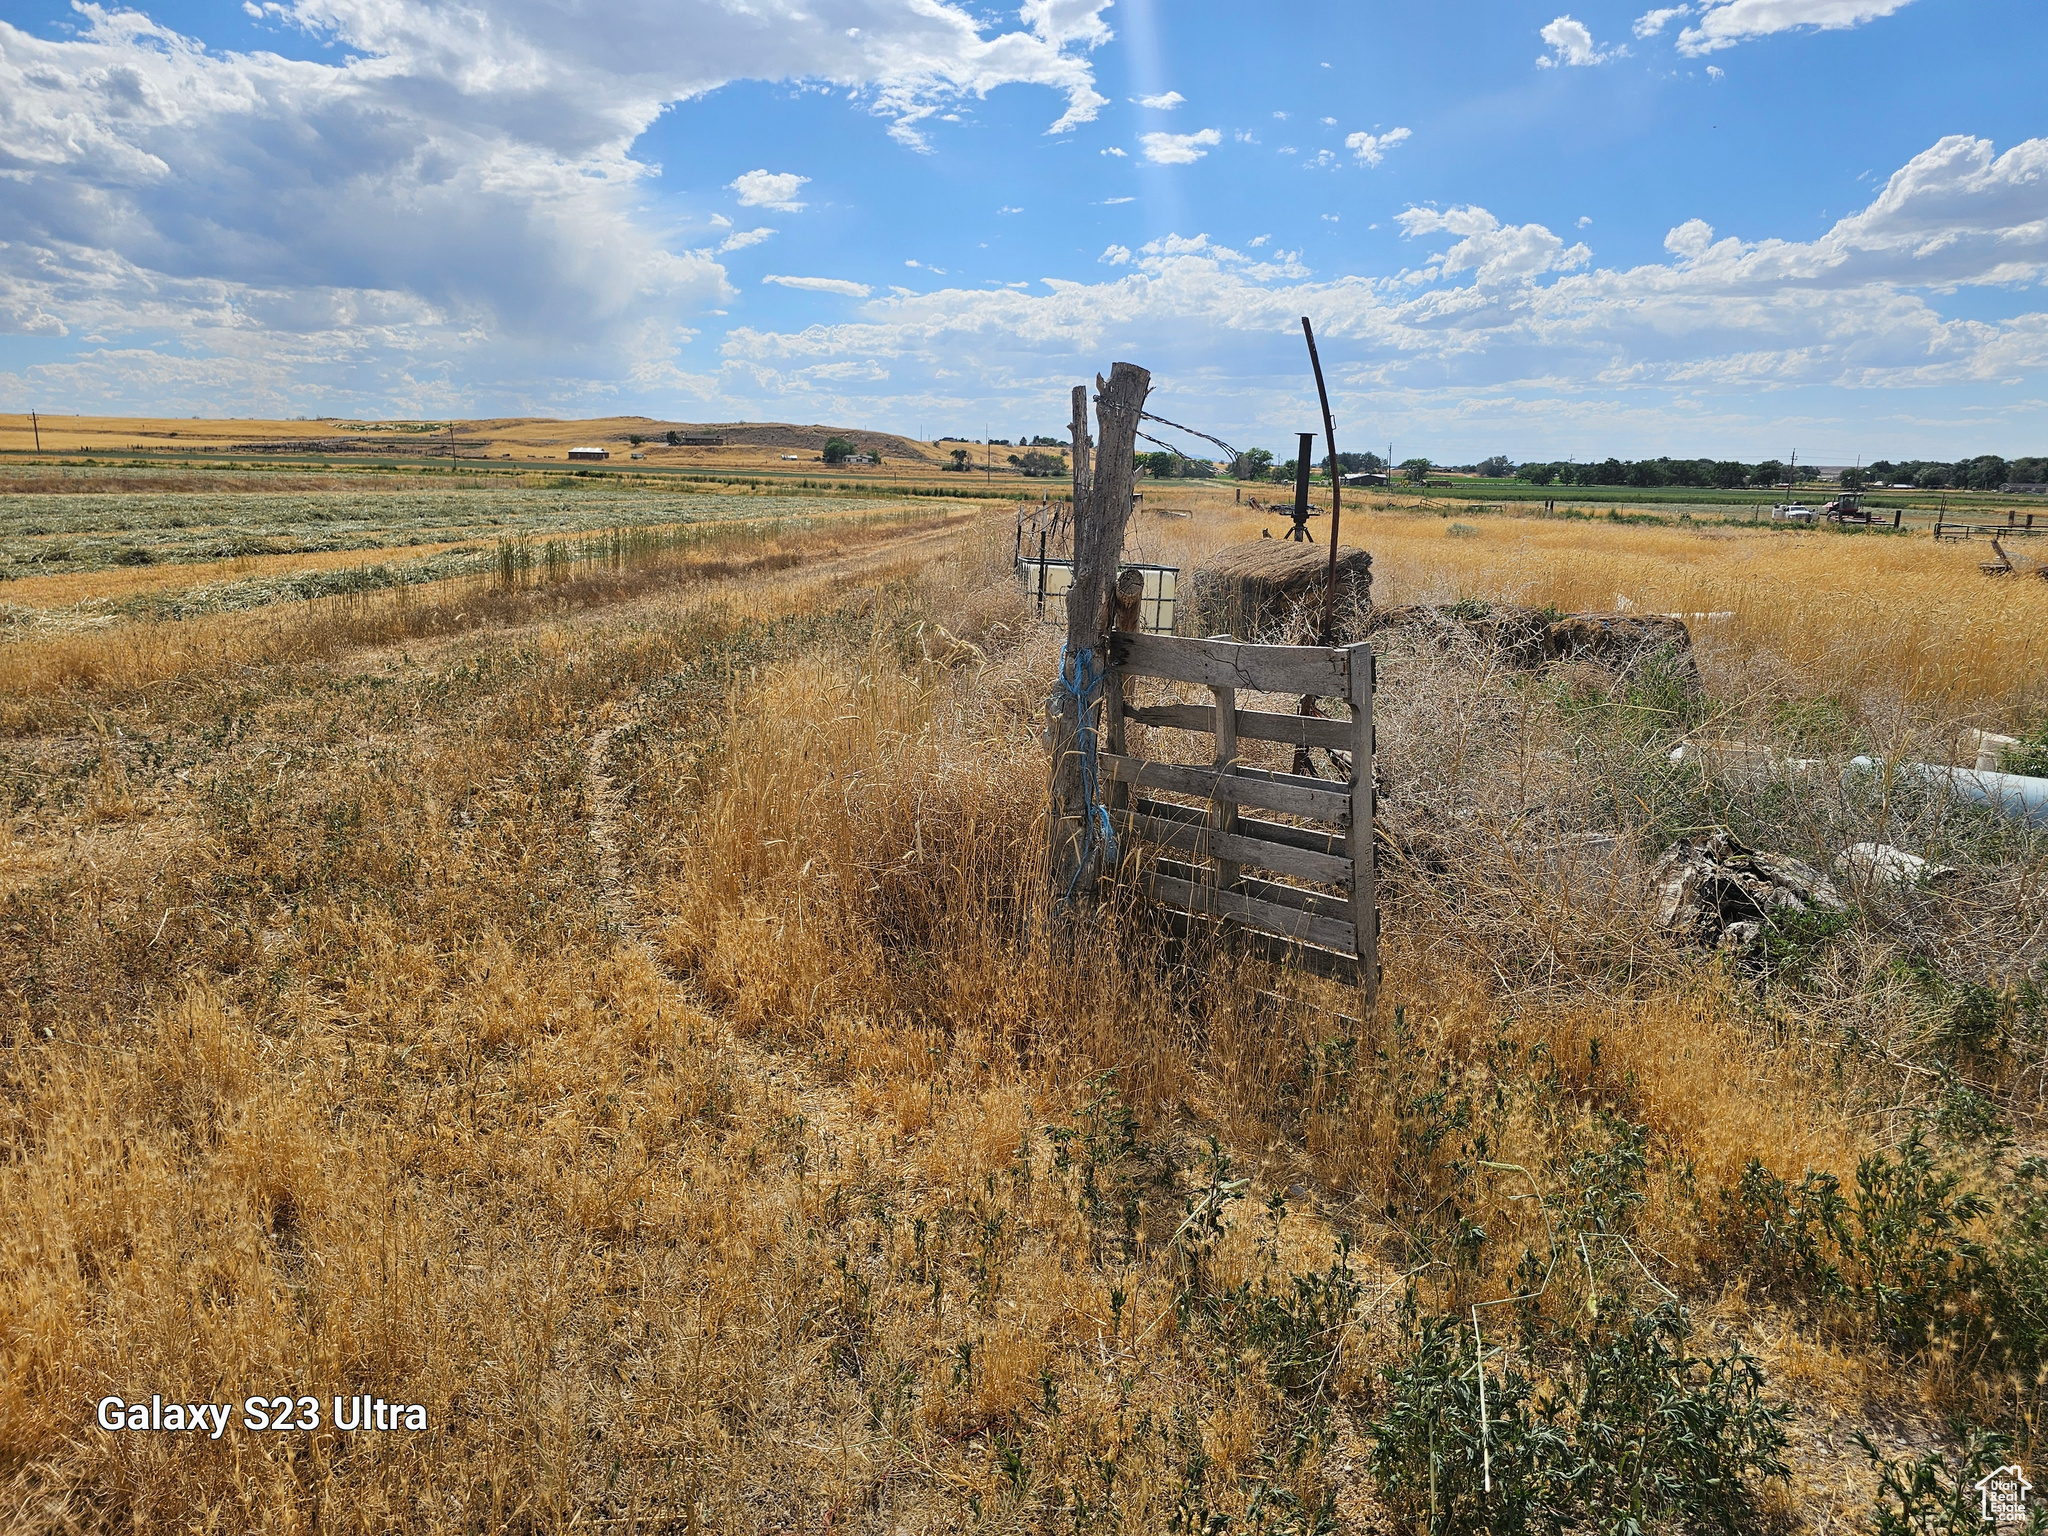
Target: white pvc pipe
(2010, 794)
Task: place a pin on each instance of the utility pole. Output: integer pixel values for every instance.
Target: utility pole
(988, 458)
(36, 427)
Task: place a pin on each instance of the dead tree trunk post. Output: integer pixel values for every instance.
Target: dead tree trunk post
(1102, 509)
(1080, 430)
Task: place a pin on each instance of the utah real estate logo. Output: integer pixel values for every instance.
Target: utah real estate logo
(2003, 1496)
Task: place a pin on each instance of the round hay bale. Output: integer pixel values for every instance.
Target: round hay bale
(1272, 590)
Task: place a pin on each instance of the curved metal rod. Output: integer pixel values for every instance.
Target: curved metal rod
(1336, 483)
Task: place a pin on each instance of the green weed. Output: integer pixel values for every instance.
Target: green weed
(1632, 1432)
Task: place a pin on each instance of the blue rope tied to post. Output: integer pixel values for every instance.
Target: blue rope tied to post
(1082, 685)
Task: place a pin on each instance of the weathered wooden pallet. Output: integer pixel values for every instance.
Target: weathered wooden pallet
(1320, 911)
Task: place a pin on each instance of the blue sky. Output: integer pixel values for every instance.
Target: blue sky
(1735, 227)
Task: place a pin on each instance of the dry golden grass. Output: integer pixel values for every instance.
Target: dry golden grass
(1861, 615)
(671, 1119)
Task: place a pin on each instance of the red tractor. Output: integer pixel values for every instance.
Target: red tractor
(1847, 508)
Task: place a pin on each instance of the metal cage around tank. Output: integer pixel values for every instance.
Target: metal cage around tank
(1045, 583)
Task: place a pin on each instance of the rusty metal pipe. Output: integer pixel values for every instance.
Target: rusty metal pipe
(1336, 482)
(1301, 471)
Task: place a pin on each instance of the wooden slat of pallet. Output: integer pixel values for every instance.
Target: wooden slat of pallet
(1285, 792)
(1229, 664)
(1258, 724)
(1313, 839)
(1336, 908)
(1289, 952)
(1365, 913)
(1275, 776)
(1237, 847)
(1223, 813)
(1114, 711)
(1266, 915)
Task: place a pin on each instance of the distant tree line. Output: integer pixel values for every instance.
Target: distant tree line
(1986, 472)
(1717, 474)
(1167, 466)
(1257, 464)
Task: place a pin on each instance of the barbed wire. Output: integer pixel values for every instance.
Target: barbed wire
(1191, 432)
(1161, 443)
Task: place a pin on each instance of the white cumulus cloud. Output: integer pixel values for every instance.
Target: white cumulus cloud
(438, 199)
(740, 239)
(1509, 324)
(840, 285)
(1571, 43)
(1179, 148)
(1690, 240)
(1372, 148)
(1116, 256)
(1494, 253)
(1060, 22)
(1650, 23)
(1724, 23)
(769, 189)
(1165, 103)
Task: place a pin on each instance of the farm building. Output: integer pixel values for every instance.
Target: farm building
(591, 455)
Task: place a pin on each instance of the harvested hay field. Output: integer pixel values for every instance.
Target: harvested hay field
(64, 534)
(622, 1017)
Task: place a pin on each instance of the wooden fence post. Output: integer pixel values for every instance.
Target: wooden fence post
(1080, 430)
(1358, 838)
(1101, 512)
